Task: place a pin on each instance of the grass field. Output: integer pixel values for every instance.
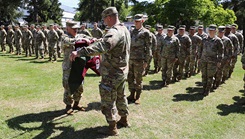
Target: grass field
(31, 104)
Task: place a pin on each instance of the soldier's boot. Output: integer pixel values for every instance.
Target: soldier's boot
(206, 92)
(137, 101)
(111, 130)
(77, 107)
(50, 59)
(155, 70)
(230, 72)
(123, 122)
(68, 109)
(168, 81)
(131, 97)
(158, 69)
(223, 79)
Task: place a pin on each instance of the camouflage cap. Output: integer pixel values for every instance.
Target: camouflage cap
(83, 24)
(234, 25)
(138, 17)
(10, 26)
(221, 28)
(32, 25)
(51, 25)
(2, 26)
(228, 26)
(170, 27)
(212, 27)
(109, 11)
(159, 27)
(182, 27)
(192, 27)
(25, 26)
(147, 26)
(38, 26)
(200, 27)
(16, 26)
(71, 24)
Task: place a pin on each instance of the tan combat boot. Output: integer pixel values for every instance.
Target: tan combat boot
(111, 130)
(137, 101)
(68, 109)
(123, 122)
(77, 107)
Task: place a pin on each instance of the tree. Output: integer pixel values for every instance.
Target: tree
(9, 10)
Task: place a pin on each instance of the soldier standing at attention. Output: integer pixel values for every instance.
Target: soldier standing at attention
(156, 52)
(140, 55)
(60, 32)
(18, 39)
(115, 48)
(45, 31)
(184, 54)
(83, 30)
(170, 46)
(239, 36)
(52, 43)
(3, 35)
(236, 47)
(33, 31)
(39, 42)
(10, 38)
(243, 66)
(97, 32)
(200, 32)
(210, 55)
(196, 43)
(27, 38)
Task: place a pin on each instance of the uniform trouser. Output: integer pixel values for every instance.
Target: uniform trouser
(11, 48)
(135, 75)
(18, 48)
(244, 81)
(219, 73)
(148, 65)
(68, 95)
(157, 60)
(3, 46)
(39, 51)
(46, 47)
(208, 70)
(52, 53)
(192, 64)
(27, 47)
(167, 68)
(225, 71)
(187, 64)
(59, 49)
(33, 47)
(232, 64)
(197, 64)
(179, 67)
(113, 98)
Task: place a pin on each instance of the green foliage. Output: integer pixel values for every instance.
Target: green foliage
(9, 10)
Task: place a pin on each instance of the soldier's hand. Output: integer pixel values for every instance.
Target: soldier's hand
(218, 64)
(73, 55)
(145, 65)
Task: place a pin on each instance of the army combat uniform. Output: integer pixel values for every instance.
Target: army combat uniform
(3, 35)
(156, 51)
(52, 44)
(97, 33)
(10, 39)
(27, 39)
(18, 40)
(39, 43)
(243, 65)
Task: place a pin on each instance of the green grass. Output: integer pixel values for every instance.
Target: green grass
(31, 104)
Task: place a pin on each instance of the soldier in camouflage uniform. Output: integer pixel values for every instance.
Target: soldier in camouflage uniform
(236, 47)
(83, 30)
(33, 31)
(60, 32)
(184, 55)
(196, 43)
(10, 38)
(223, 71)
(170, 46)
(210, 55)
(27, 38)
(140, 55)
(156, 52)
(115, 48)
(18, 39)
(52, 42)
(243, 66)
(239, 36)
(3, 35)
(97, 32)
(39, 42)
(153, 47)
(45, 31)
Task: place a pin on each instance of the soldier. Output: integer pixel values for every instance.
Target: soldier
(156, 52)
(236, 47)
(200, 32)
(196, 43)
(184, 54)
(83, 30)
(45, 31)
(153, 47)
(60, 32)
(18, 40)
(115, 47)
(39, 42)
(239, 36)
(170, 46)
(3, 35)
(33, 31)
(52, 42)
(10, 38)
(97, 32)
(210, 55)
(243, 66)
(140, 55)
(27, 38)
(223, 71)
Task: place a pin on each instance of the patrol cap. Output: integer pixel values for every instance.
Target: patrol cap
(228, 26)
(170, 27)
(38, 26)
(51, 25)
(25, 26)
(16, 26)
(221, 28)
(192, 27)
(212, 27)
(159, 27)
(138, 17)
(200, 27)
(234, 25)
(182, 27)
(83, 24)
(2, 26)
(10, 26)
(147, 26)
(32, 25)
(109, 11)
(71, 24)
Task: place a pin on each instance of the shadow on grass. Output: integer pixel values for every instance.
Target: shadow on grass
(153, 85)
(237, 107)
(91, 75)
(40, 61)
(193, 94)
(94, 106)
(50, 123)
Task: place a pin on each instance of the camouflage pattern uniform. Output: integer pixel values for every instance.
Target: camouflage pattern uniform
(115, 48)
(33, 31)
(210, 53)
(60, 32)
(10, 39)
(170, 47)
(85, 32)
(243, 65)
(39, 43)
(45, 31)
(183, 57)
(3, 35)
(18, 40)
(27, 38)
(97, 33)
(156, 52)
(52, 44)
